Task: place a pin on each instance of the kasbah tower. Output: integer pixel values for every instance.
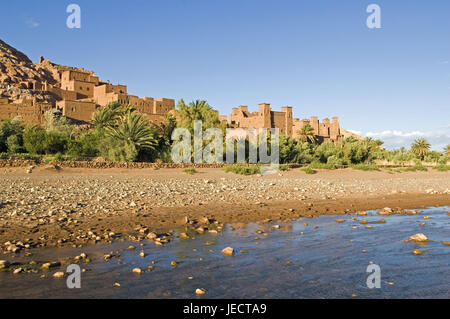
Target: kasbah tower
(29, 89)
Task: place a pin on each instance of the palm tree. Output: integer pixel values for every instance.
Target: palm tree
(447, 149)
(306, 134)
(105, 117)
(197, 110)
(420, 148)
(111, 115)
(134, 130)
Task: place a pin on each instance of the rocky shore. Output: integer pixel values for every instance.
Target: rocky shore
(77, 207)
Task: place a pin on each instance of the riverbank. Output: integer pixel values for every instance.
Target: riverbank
(78, 207)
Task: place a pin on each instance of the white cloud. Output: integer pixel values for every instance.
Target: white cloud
(32, 23)
(443, 62)
(394, 139)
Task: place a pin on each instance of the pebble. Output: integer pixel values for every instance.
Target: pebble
(59, 274)
(137, 271)
(200, 291)
(4, 264)
(228, 251)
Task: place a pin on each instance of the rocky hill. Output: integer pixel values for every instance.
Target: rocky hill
(17, 68)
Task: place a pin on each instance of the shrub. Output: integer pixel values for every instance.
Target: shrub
(417, 167)
(85, 146)
(318, 165)
(34, 139)
(365, 167)
(190, 171)
(442, 168)
(9, 128)
(118, 151)
(243, 170)
(308, 170)
(55, 143)
(14, 144)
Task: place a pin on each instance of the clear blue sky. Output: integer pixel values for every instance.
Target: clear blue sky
(316, 55)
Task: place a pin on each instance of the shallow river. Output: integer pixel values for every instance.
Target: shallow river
(296, 261)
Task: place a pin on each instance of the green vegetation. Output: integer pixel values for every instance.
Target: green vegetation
(318, 165)
(284, 168)
(119, 133)
(365, 167)
(190, 171)
(306, 134)
(421, 148)
(243, 170)
(442, 168)
(308, 170)
(415, 168)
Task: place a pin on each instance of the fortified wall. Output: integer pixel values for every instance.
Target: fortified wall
(266, 118)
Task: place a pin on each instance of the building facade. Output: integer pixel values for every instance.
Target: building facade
(78, 94)
(283, 120)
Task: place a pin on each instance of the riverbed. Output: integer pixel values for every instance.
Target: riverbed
(307, 258)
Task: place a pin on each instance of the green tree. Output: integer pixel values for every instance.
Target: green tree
(9, 128)
(110, 115)
(34, 138)
(447, 149)
(420, 148)
(57, 123)
(14, 143)
(197, 110)
(131, 136)
(306, 134)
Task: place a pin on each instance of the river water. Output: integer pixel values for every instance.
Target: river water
(323, 259)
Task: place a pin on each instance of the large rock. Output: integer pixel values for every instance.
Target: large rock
(228, 251)
(418, 238)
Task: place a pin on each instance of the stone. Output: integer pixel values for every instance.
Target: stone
(137, 271)
(51, 265)
(184, 235)
(173, 263)
(151, 235)
(131, 248)
(417, 252)
(339, 220)
(418, 238)
(228, 251)
(142, 254)
(59, 274)
(4, 264)
(17, 271)
(200, 291)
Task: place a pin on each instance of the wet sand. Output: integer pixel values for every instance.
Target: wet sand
(74, 207)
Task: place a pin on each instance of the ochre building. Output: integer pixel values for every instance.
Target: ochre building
(325, 131)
